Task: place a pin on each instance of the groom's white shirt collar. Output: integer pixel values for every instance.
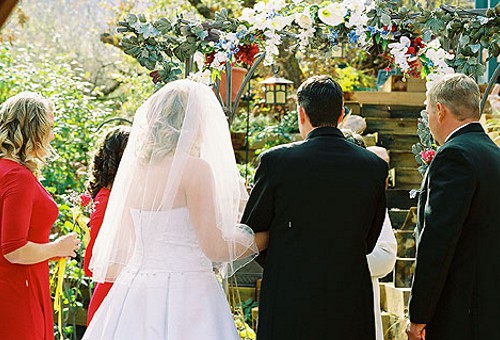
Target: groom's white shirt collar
(458, 128)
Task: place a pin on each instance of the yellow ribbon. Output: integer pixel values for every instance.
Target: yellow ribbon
(59, 272)
(79, 226)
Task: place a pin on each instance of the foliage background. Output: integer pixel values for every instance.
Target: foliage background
(67, 52)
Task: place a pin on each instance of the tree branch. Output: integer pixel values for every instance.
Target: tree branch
(203, 9)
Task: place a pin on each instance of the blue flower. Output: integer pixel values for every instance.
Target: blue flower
(353, 37)
(372, 30)
(333, 37)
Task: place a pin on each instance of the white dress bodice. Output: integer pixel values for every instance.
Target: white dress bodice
(166, 242)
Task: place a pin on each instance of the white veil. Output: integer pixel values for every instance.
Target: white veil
(179, 154)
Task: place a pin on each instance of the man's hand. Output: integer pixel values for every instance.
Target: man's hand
(416, 331)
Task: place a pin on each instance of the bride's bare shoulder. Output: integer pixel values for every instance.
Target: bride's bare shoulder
(198, 167)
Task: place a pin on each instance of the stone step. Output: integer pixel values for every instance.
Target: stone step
(408, 178)
(404, 126)
(399, 198)
(402, 158)
(391, 299)
(398, 141)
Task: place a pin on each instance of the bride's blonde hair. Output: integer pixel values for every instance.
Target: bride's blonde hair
(163, 124)
(25, 130)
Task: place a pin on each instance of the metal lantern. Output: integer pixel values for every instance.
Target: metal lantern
(276, 90)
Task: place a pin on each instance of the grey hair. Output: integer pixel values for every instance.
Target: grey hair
(459, 93)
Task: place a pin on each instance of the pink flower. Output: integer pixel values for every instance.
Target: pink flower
(85, 199)
(428, 155)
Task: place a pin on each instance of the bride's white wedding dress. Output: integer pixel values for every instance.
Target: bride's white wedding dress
(168, 290)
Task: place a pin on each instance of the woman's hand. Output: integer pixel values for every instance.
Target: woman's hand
(67, 245)
(30, 253)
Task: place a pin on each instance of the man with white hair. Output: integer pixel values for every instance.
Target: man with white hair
(455, 293)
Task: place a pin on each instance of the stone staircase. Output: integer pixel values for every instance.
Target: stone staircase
(392, 123)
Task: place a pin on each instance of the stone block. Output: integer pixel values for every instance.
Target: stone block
(391, 299)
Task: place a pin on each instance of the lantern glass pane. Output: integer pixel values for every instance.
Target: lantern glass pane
(269, 97)
(280, 97)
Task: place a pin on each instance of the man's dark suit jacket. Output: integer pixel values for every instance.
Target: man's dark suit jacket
(456, 287)
(323, 202)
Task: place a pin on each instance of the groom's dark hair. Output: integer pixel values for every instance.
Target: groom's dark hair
(322, 99)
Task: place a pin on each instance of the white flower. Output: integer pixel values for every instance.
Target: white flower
(199, 59)
(219, 61)
(232, 37)
(304, 37)
(280, 22)
(204, 77)
(260, 6)
(275, 5)
(333, 14)
(260, 22)
(398, 50)
(247, 15)
(402, 46)
(358, 20)
(296, 2)
(304, 19)
(356, 6)
(434, 43)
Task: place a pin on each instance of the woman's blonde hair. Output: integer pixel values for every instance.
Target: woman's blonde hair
(25, 130)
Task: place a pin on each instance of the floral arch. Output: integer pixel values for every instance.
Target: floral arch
(426, 43)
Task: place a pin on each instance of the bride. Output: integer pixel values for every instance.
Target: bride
(171, 221)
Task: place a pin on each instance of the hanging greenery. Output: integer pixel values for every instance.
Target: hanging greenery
(425, 43)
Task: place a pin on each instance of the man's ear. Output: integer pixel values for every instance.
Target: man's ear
(341, 117)
(302, 115)
(441, 111)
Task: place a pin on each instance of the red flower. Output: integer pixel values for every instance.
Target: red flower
(209, 58)
(85, 199)
(156, 76)
(246, 53)
(428, 155)
(411, 50)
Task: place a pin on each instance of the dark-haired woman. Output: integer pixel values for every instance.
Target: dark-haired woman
(103, 170)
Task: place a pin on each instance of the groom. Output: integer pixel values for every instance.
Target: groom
(316, 282)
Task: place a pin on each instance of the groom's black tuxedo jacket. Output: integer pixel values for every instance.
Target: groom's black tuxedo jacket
(323, 202)
(456, 287)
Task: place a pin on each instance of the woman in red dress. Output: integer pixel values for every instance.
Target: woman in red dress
(104, 166)
(27, 213)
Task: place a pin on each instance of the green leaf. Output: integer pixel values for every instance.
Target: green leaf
(475, 48)
(163, 25)
(427, 36)
(131, 19)
(464, 40)
(385, 19)
(435, 24)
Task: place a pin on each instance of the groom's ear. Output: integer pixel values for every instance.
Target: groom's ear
(302, 115)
